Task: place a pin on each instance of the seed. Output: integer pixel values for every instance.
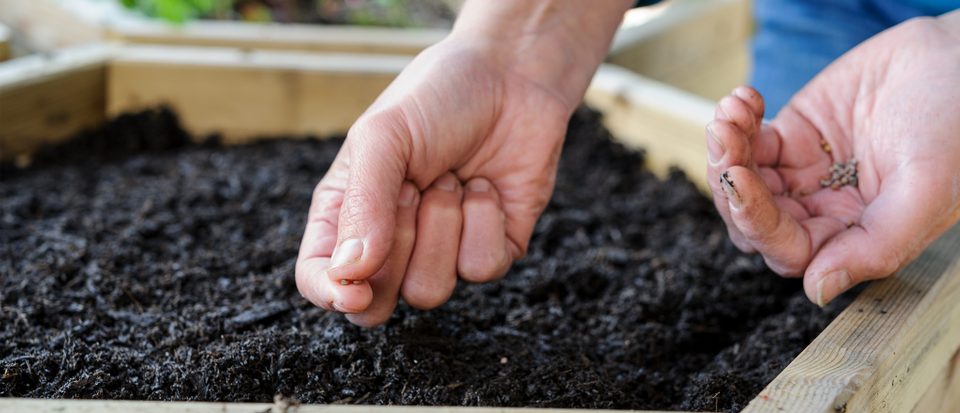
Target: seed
(825, 145)
(841, 174)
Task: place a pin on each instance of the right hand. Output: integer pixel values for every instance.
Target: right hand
(445, 174)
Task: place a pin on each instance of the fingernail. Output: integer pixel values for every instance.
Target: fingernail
(732, 195)
(832, 285)
(715, 148)
(407, 195)
(347, 252)
(742, 93)
(447, 182)
(478, 185)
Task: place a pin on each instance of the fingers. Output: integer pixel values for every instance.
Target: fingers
(910, 212)
(786, 244)
(318, 242)
(484, 251)
(378, 153)
(728, 144)
(745, 114)
(432, 272)
(386, 282)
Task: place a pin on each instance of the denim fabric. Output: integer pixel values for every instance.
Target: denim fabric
(796, 39)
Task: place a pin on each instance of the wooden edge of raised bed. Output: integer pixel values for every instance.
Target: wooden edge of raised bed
(243, 94)
(673, 43)
(698, 45)
(44, 26)
(301, 37)
(895, 346)
(4, 42)
(47, 97)
(42, 22)
(663, 120)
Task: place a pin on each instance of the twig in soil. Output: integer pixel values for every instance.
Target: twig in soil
(841, 174)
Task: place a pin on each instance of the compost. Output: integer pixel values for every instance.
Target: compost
(138, 265)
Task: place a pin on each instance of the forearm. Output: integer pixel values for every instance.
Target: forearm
(556, 43)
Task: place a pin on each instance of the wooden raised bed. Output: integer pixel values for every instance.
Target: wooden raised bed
(49, 25)
(697, 45)
(4, 42)
(894, 349)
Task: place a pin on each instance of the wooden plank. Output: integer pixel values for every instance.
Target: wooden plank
(698, 45)
(885, 350)
(109, 20)
(665, 121)
(45, 98)
(96, 406)
(246, 94)
(4, 42)
(44, 26)
(943, 396)
(302, 37)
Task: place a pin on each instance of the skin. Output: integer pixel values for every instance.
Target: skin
(470, 134)
(892, 104)
(447, 172)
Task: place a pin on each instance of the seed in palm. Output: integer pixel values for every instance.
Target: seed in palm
(841, 174)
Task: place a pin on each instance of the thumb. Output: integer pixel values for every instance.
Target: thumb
(908, 215)
(379, 151)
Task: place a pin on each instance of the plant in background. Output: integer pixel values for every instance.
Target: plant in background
(396, 13)
(178, 11)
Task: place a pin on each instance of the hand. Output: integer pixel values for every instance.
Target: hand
(450, 168)
(891, 104)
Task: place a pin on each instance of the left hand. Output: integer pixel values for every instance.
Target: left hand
(892, 104)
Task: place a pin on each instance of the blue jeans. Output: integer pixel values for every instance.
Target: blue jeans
(796, 39)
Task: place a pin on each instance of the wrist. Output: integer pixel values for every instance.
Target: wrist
(557, 44)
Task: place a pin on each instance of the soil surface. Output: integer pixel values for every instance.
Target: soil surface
(136, 265)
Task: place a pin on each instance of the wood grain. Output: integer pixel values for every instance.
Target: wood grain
(245, 94)
(943, 395)
(45, 98)
(885, 350)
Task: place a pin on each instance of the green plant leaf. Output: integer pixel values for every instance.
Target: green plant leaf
(175, 11)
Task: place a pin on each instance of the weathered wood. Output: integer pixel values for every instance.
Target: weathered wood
(302, 37)
(4, 42)
(45, 26)
(45, 98)
(697, 45)
(885, 350)
(48, 25)
(246, 94)
(943, 396)
(665, 121)
(96, 406)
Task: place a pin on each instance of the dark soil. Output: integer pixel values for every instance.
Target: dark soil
(161, 269)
